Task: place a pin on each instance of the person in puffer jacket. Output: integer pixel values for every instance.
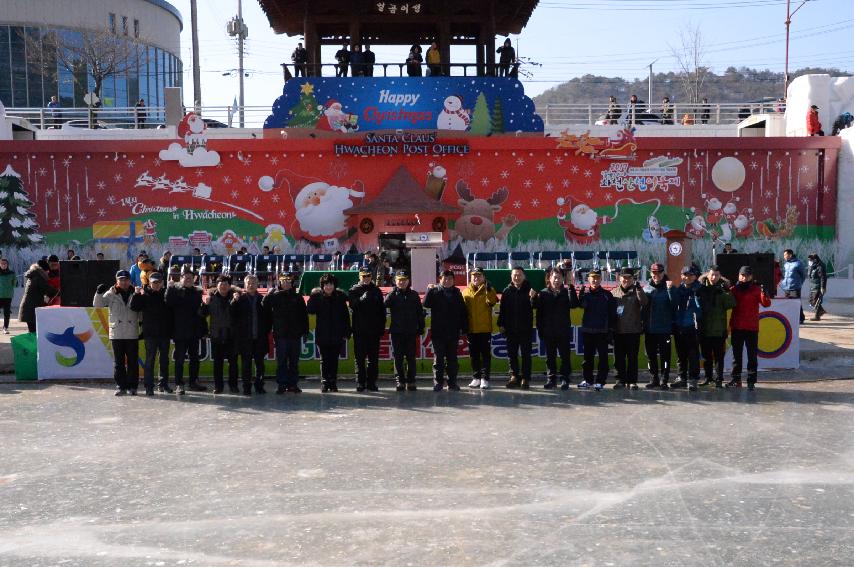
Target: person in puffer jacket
(597, 329)
(659, 318)
(716, 301)
(150, 302)
(631, 301)
(407, 326)
(480, 297)
(448, 320)
(553, 304)
(124, 332)
(689, 316)
(516, 321)
(332, 327)
(744, 324)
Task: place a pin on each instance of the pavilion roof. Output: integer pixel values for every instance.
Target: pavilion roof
(402, 194)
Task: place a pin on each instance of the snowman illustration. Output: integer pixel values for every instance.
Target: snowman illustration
(453, 115)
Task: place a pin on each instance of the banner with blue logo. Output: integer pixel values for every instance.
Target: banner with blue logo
(479, 105)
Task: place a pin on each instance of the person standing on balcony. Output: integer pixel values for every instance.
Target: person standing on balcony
(141, 114)
(634, 108)
(434, 60)
(357, 62)
(342, 56)
(507, 57)
(299, 58)
(55, 113)
(614, 110)
(370, 59)
(413, 61)
(706, 109)
(666, 111)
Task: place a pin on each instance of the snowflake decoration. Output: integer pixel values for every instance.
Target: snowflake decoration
(769, 194)
(589, 194)
(91, 201)
(573, 169)
(67, 198)
(825, 189)
(131, 163)
(520, 162)
(484, 181)
(541, 167)
(42, 172)
(549, 187)
(281, 214)
(517, 204)
(587, 173)
(535, 202)
(157, 162)
(671, 198)
(226, 179)
(248, 179)
(219, 165)
(778, 165)
(804, 169)
(558, 160)
(608, 197)
(338, 168)
(527, 184)
(101, 185)
(274, 160)
(821, 216)
(565, 183)
(111, 199)
(234, 195)
(49, 193)
(56, 223)
(753, 165)
(101, 212)
(698, 165)
(809, 186)
(274, 198)
(256, 201)
(199, 173)
(66, 162)
(81, 217)
(505, 174)
(117, 178)
(692, 181)
(765, 210)
(805, 201)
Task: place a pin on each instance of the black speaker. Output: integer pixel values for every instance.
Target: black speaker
(78, 280)
(762, 264)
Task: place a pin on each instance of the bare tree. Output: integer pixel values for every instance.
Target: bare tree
(690, 55)
(100, 53)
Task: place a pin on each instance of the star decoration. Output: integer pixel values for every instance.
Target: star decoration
(527, 184)
(517, 204)
(117, 178)
(540, 167)
(131, 163)
(505, 174)
(307, 88)
(101, 212)
(484, 181)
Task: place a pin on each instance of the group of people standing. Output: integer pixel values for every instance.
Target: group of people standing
(692, 313)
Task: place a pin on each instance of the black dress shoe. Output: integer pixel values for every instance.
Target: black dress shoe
(233, 389)
(281, 390)
(333, 387)
(360, 388)
(411, 386)
(259, 387)
(180, 390)
(149, 391)
(133, 391)
(453, 386)
(164, 388)
(550, 384)
(679, 384)
(294, 389)
(247, 390)
(564, 384)
(619, 385)
(400, 387)
(196, 387)
(373, 388)
(324, 389)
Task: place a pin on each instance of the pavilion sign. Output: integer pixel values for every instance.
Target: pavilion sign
(403, 143)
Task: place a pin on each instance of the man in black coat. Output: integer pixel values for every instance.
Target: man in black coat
(516, 323)
(188, 326)
(366, 302)
(217, 305)
(251, 328)
(332, 328)
(407, 324)
(285, 308)
(156, 330)
(553, 305)
(448, 320)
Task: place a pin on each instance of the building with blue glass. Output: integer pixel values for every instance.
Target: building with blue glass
(155, 24)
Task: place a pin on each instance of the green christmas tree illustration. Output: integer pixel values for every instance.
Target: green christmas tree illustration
(497, 118)
(480, 123)
(18, 226)
(306, 112)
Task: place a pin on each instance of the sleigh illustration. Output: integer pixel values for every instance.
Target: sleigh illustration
(623, 147)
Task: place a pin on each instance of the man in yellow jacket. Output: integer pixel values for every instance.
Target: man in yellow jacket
(479, 298)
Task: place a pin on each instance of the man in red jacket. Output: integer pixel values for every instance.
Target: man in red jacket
(813, 123)
(744, 323)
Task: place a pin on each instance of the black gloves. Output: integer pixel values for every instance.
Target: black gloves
(102, 288)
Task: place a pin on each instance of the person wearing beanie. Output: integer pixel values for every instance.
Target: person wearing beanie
(480, 298)
(406, 327)
(516, 322)
(689, 316)
(744, 324)
(448, 320)
(631, 302)
(554, 326)
(124, 331)
(716, 301)
(150, 303)
(659, 318)
(597, 329)
(369, 318)
(332, 328)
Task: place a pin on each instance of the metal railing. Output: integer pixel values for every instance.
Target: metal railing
(679, 113)
(104, 117)
(395, 70)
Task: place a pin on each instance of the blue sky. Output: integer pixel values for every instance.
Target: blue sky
(569, 38)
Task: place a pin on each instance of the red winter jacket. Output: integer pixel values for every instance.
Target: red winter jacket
(745, 314)
(813, 125)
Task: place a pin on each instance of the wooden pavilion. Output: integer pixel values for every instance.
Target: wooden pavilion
(403, 22)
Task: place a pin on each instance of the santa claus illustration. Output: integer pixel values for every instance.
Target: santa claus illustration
(334, 118)
(320, 209)
(713, 210)
(192, 130)
(583, 223)
(743, 224)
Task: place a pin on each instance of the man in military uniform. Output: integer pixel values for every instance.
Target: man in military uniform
(366, 302)
(407, 325)
(448, 319)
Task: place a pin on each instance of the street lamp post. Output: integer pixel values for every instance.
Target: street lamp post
(789, 15)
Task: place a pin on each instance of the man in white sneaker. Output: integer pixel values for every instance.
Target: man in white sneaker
(480, 297)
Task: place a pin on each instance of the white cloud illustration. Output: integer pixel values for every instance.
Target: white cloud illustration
(199, 158)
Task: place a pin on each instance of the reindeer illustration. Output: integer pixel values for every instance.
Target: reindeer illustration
(477, 220)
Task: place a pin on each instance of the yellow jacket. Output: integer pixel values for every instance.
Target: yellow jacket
(479, 302)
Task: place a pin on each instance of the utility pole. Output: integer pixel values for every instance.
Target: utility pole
(789, 15)
(649, 98)
(197, 78)
(237, 28)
